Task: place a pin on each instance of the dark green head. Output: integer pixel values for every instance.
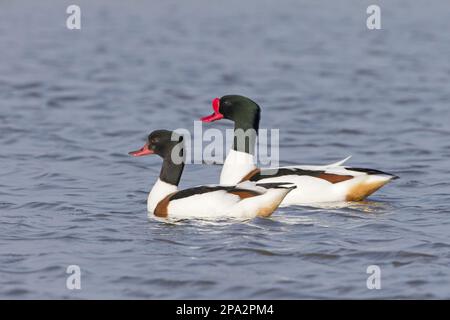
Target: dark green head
(169, 146)
(243, 111)
(160, 142)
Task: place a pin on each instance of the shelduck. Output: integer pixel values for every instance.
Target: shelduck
(244, 200)
(316, 183)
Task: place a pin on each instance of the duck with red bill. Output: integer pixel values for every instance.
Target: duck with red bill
(315, 183)
(165, 200)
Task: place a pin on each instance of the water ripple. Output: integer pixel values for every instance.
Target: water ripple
(70, 194)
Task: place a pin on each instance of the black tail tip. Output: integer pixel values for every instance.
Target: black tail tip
(277, 185)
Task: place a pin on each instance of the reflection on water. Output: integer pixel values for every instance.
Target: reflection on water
(366, 206)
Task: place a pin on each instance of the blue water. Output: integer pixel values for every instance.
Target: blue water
(73, 103)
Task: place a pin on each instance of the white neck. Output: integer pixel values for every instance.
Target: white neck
(236, 166)
(159, 191)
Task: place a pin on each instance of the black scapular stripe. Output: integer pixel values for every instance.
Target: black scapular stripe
(371, 171)
(205, 189)
(272, 173)
(277, 185)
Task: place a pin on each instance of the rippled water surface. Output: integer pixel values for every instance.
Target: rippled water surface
(73, 103)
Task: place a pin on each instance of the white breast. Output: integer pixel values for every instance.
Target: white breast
(159, 191)
(236, 166)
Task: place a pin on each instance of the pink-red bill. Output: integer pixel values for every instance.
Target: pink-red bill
(141, 152)
(216, 115)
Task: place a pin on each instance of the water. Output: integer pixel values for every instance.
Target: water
(73, 103)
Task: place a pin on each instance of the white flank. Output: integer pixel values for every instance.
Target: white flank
(221, 204)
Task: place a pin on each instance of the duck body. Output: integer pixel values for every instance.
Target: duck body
(315, 183)
(247, 199)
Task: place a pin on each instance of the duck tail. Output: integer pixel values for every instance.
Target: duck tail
(373, 181)
(339, 163)
(375, 174)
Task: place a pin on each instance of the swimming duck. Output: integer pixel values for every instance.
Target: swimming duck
(245, 200)
(326, 183)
